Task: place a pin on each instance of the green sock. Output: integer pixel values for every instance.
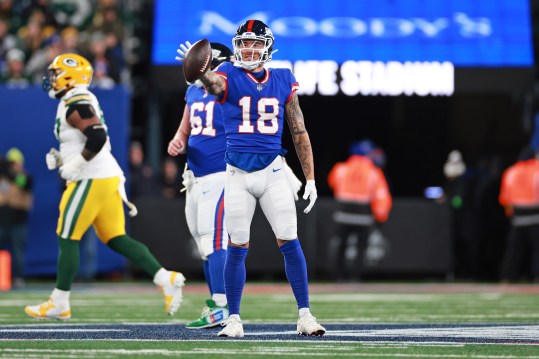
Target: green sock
(68, 263)
(136, 252)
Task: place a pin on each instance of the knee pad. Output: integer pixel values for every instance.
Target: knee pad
(239, 238)
(287, 233)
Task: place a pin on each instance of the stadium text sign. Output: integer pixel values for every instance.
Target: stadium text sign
(348, 27)
(372, 78)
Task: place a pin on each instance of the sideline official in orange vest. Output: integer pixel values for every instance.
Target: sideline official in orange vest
(519, 195)
(364, 201)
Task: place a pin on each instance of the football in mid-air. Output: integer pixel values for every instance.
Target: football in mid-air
(197, 61)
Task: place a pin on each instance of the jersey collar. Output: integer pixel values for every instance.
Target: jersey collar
(254, 79)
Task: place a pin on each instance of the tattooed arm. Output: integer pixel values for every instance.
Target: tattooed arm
(302, 143)
(214, 83)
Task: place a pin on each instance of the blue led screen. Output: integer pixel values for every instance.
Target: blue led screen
(469, 33)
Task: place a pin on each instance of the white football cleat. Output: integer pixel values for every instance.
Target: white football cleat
(233, 329)
(49, 310)
(172, 291)
(307, 325)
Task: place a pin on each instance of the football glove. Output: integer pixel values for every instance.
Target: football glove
(188, 179)
(70, 170)
(182, 51)
(293, 181)
(53, 159)
(311, 194)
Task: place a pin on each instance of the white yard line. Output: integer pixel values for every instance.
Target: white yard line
(299, 352)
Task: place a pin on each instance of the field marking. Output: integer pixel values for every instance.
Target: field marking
(364, 343)
(41, 330)
(527, 332)
(220, 352)
(396, 334)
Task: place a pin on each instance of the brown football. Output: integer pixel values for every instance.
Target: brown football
(197, 61)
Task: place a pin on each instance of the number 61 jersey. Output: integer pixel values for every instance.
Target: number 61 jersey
(254, 109)
(207, 142)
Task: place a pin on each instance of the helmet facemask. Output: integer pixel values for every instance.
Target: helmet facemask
(251, 50)
(57, 82)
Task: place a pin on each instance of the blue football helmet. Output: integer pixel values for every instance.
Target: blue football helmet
(253, 30)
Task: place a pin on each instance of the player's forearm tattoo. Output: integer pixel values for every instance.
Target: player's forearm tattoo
(294, 117)
(302, 143)
(213, 83)
(300, 137)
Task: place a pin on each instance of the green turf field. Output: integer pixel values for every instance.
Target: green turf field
(387, 309)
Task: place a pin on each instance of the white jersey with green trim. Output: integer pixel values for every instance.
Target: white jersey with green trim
(72, 140)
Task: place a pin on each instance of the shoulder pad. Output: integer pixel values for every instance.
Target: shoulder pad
(78, 95)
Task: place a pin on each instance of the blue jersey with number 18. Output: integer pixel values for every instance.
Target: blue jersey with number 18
(207, 143)
(254, 109)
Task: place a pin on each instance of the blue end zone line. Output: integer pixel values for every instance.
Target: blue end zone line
(413, 334)
(311, 342)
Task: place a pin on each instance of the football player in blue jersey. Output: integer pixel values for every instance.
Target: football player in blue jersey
(201, 135)
(255, 102)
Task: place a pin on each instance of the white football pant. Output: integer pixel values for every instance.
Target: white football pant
(271, 187)
(204, 210)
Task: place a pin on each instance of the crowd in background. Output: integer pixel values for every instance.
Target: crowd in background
(146, 181)
(34, 32)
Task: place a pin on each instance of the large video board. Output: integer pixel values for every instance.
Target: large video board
(467, 33)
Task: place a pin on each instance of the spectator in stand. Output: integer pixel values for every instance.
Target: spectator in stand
(45, 8)
(16, 201)
(459, 196)
(364, 202)
(40, 60)
(106, 20)
(141, 174)
(12, 11)
(98, 56)
(77, 13)
(101, 79)
(519, 195)
(15, 76)
(170, 179)
(7, 41)
(70, 40)
(31, 37)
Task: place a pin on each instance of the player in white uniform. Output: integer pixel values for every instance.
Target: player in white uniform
(201, 136)
(95, 189)
(255, 101)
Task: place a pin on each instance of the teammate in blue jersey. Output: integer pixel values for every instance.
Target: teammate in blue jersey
(202, 129)
(255, 102)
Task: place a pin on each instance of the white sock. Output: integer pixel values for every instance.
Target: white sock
(161, 277)
(235, 317)
(304, 311)
(60, 296)
(219, 299)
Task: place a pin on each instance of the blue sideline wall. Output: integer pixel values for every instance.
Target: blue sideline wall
(26, 122)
